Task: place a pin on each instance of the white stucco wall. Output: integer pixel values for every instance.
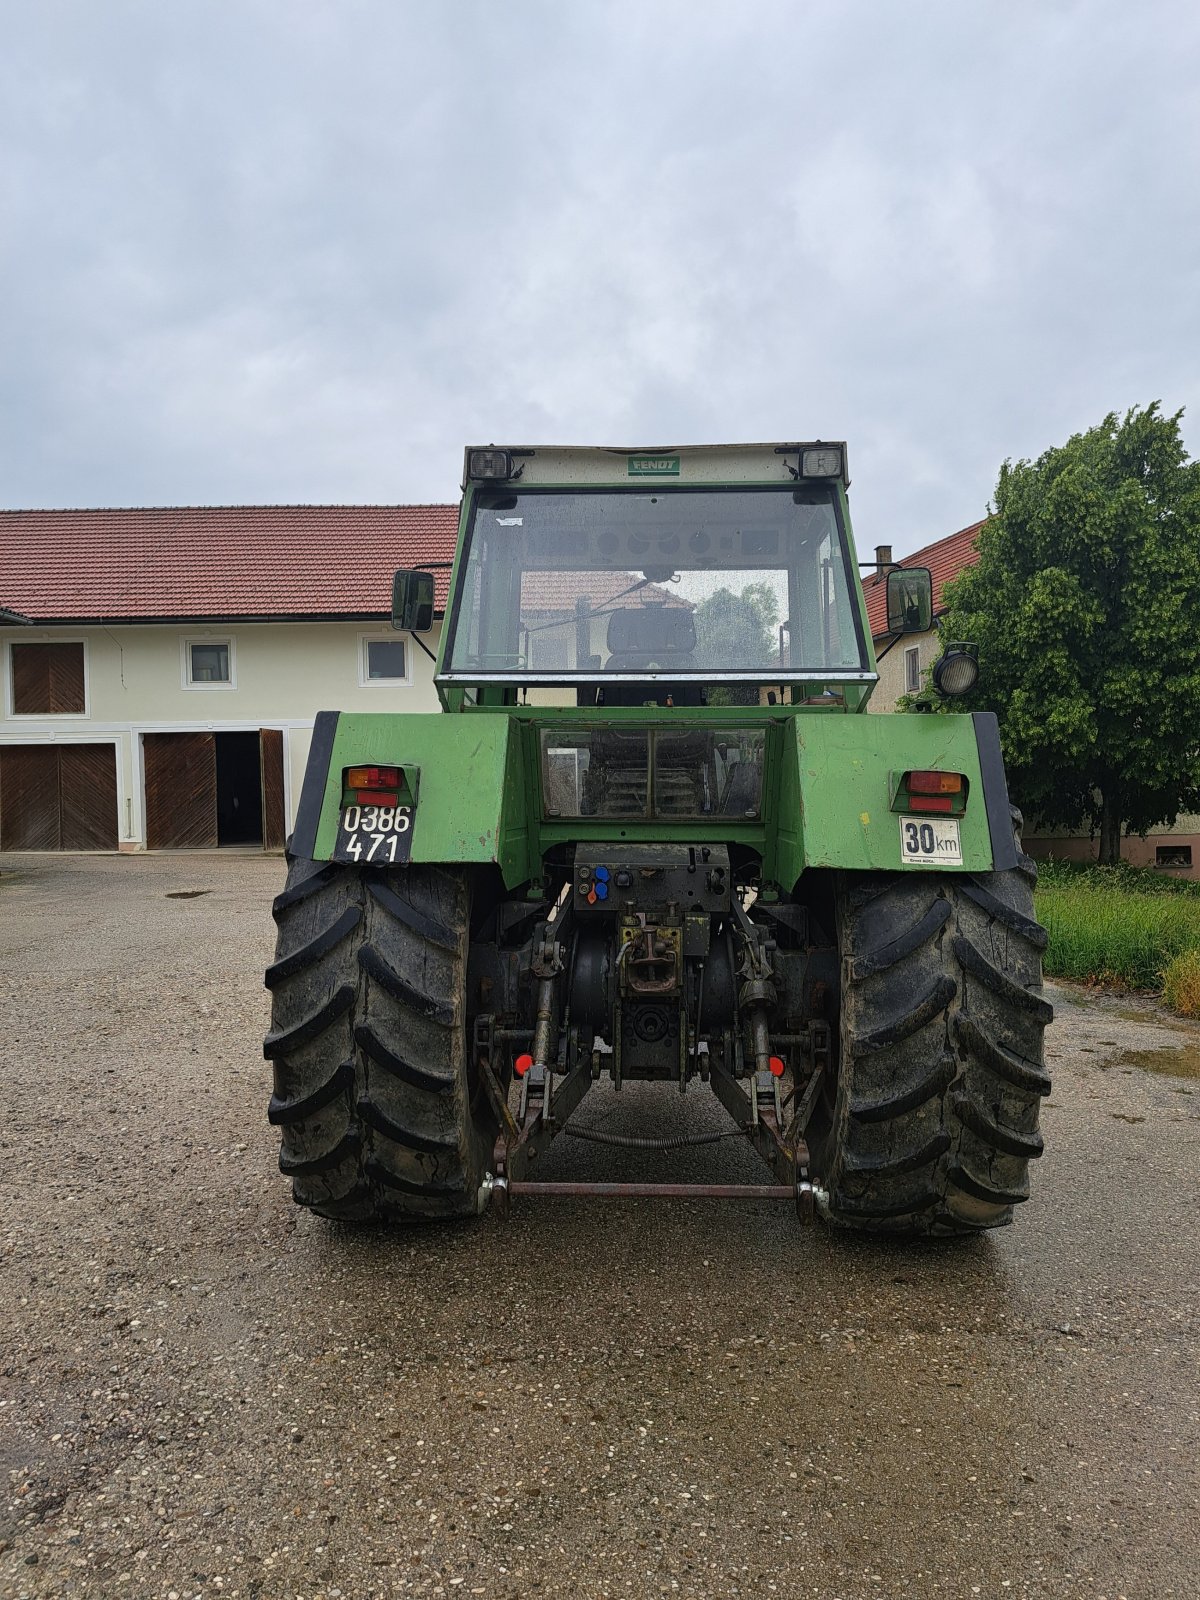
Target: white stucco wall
(891, 669)
(283, 674)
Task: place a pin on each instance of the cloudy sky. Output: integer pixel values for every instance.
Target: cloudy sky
(290, 251)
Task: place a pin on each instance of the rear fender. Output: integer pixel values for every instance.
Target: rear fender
(835, 791)
(471, 797)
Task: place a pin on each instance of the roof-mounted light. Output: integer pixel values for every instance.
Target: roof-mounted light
(824, 461)
(489, 466)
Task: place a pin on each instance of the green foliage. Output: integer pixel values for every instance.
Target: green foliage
(1103, 932)
(1054, 873)
(926, 701)
(737, 627)
(1085, 605)
(1181, 984)
(733, 628)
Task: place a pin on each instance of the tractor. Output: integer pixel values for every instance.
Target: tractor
(651, 835)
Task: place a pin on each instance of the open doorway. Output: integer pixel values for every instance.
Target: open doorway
(205, 789)
(239, 789)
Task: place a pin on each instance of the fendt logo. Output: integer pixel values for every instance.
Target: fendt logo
(653, 466)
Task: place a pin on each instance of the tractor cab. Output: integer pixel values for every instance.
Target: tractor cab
(634, 578)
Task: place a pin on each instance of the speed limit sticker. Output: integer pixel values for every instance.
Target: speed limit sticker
(930, 842)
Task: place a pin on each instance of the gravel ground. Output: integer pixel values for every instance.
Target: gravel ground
(204, 1391)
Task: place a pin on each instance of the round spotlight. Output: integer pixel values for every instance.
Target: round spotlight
(956, 673)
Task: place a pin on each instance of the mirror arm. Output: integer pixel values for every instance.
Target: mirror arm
(417, 640)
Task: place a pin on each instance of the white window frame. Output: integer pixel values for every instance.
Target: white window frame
(912, 655)
(365, 681)
(49, 716)
(185, 660)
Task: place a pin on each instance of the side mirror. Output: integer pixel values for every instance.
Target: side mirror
(909, 600)
(412, 601)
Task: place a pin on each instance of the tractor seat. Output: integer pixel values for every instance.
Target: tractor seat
(640, 635)
(651, 639)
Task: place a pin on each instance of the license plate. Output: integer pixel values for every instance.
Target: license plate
(379, 834)
(930, 842)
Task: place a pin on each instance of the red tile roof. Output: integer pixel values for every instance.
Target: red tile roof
(557, 591)
(945, 560)
(217, 561)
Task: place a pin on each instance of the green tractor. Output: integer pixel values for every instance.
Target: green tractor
(651, 835)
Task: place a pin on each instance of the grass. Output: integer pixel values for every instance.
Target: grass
(1181, 984)
(1123, 926)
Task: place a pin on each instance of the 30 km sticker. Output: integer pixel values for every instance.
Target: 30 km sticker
(382, 834)
(928, 841)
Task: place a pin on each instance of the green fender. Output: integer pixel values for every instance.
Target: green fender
(827, 802)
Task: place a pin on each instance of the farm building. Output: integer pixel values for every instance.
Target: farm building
(161, 669)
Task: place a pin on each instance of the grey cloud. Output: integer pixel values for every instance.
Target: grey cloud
(305, 251)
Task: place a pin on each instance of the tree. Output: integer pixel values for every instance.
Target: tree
(1085, 605)
(738, 629)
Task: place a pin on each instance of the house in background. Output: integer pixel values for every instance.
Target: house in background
(902, 669)
(160, 683)
(1173, 850)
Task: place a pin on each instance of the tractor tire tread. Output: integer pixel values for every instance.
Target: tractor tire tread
(287, 1040)
(1028, 1146)
(934, 1123)
(896, 1105)
(388, 1061)
(429, 928)
(1005, 1063)
(887, 955)
(903, 1025)
(319, 945)
(379, 1114)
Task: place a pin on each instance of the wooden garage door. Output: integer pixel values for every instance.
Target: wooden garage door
(274, 815)
(58, 797)
(181, 791)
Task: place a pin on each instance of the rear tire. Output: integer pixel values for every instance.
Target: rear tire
(942, 1067)
(376, 1098)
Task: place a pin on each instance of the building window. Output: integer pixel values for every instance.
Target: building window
(208, 663)
(1173, 855)
(912, 670)
(383, 661)
(48, 680)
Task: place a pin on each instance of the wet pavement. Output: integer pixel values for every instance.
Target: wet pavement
(204, 1391)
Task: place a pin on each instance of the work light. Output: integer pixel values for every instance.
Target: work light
(825, 462)
(956, 672)
(489, 465)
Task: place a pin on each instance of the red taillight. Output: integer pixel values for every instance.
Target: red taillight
(376, 797)
(931, 802)
(522, 1065)
(934, 782)
(777, 1067)
(373, 778)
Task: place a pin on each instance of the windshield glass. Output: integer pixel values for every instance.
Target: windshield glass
(745, 582)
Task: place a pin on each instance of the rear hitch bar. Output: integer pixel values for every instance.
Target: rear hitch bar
(499, 1191)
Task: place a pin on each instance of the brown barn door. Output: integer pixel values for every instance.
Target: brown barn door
(181, 791)
(29, 818)
(274, 820)
(58, 797)
(88, 789)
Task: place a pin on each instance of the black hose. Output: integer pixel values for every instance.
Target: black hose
(679, 1141)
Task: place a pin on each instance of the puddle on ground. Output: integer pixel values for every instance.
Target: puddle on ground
(1184, 1063)
(1160, 1017)
(186, 894)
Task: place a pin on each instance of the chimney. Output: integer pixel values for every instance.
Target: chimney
(883, 560)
